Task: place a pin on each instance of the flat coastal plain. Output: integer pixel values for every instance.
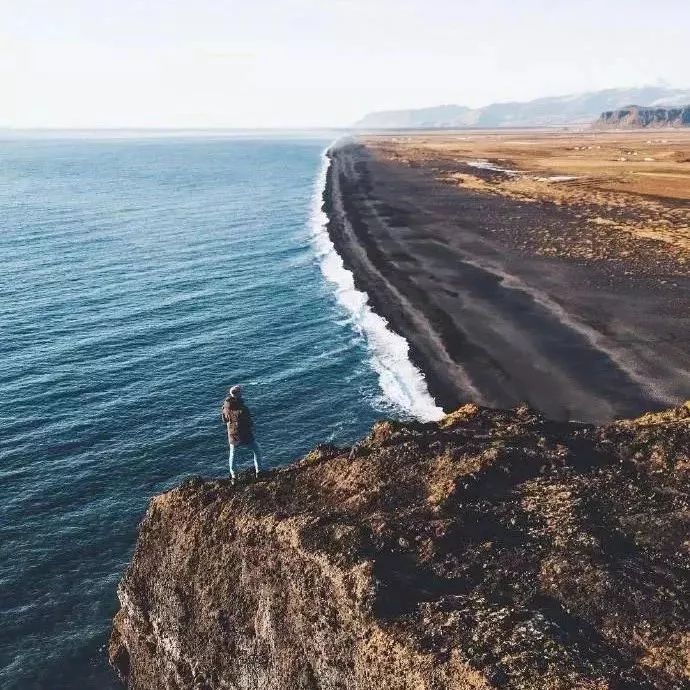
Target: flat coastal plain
(551, 268)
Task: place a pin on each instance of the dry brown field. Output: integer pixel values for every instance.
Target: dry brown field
(636, 182)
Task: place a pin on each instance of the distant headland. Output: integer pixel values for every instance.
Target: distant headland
(570, 109)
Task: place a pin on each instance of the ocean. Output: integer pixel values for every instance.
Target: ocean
(139, 279)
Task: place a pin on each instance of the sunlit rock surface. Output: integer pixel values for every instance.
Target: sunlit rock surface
(493, 549)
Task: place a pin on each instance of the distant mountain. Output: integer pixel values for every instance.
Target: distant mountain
(437, 116)
(559, 110)
(634, 116)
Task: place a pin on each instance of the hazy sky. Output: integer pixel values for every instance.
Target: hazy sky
(272, 63)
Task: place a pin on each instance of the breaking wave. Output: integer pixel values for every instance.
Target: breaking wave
(401, 382)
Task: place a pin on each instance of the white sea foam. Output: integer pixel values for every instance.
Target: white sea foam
(402, 383)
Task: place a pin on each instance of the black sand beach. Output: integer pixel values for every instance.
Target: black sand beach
(490, 320)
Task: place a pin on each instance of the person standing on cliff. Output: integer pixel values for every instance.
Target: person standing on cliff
(238, 421)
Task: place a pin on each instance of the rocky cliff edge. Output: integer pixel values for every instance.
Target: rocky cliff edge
(635, 117)
(492, 549)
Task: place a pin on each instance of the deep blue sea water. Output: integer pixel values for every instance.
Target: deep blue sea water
(139, 278)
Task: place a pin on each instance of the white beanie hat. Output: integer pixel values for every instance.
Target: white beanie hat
(236, 391)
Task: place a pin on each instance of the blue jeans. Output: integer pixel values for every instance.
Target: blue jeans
(254, 447)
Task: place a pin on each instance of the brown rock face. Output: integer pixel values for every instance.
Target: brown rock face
(635, 116)
(493, 549)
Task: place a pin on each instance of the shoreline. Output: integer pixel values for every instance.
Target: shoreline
(402, 384)
(489, 323)
(353, 247)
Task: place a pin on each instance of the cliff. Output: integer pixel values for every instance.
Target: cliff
(570, 109)
(636, 117)
(491, 549)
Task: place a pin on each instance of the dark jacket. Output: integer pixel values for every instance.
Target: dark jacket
(235, 414)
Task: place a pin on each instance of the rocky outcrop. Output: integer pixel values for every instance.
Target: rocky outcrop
(637, 117)
(492, 549)
(570, 109)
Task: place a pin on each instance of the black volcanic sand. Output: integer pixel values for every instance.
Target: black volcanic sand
(487, 319)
